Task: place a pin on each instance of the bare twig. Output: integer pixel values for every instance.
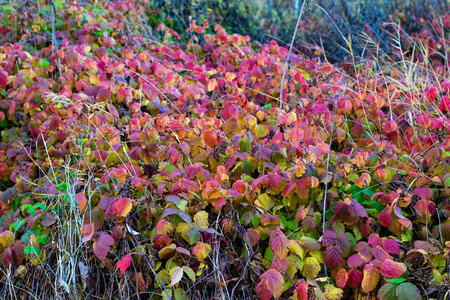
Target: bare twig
(289, 55)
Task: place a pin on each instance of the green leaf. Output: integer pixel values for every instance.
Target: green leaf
(305, 74)
(387, 292)
(63, 186)
(396, 280)
(408, 291)
(18, 224)
(194, 235)
(43, 240)
(34, 250)
(189, 272)
(43, 63)
(268, 254)
(40, 205)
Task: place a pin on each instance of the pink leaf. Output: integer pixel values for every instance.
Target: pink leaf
(392, 269)
(87, 231)
(391, 246)
(355, 261)
(279, 243)
(320, 109)
(102, 245)
(422, 192)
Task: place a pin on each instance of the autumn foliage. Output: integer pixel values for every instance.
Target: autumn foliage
(156, 170)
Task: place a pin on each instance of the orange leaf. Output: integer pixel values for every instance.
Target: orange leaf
(201, 251)
(210, 139)
(119, 208)
(82, 201)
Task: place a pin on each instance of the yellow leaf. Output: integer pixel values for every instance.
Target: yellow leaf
(183, 228)
(371, 276)
(332, 292)
(318, 255)
(201, 219)
(294, 247)
(6, 239)
(94, 80)
(311, 268)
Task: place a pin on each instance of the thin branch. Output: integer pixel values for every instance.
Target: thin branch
(289, 56)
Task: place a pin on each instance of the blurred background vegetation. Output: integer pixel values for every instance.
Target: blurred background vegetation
(325, 24)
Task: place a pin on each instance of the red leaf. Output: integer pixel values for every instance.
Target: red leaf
(431, 94)
(296, 136)
(102, 245)
(385, 218)
(124, 263)
(375, 240)
(113, 110)
(161, 241)
(302, 290)
(344, 244)
(7, 257)
(445, 104)
(309, 224)
(104, 95)
(82, 201)
(391, 246)
(268, 220)
(3, 79)
(253, 236)
(364, 227)
(14, 254)
(404, 221)
(392, 269)
(18, 250)
(333, 257)
(210, 139)
(271, 285)
(355, 278)
(279, 243)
